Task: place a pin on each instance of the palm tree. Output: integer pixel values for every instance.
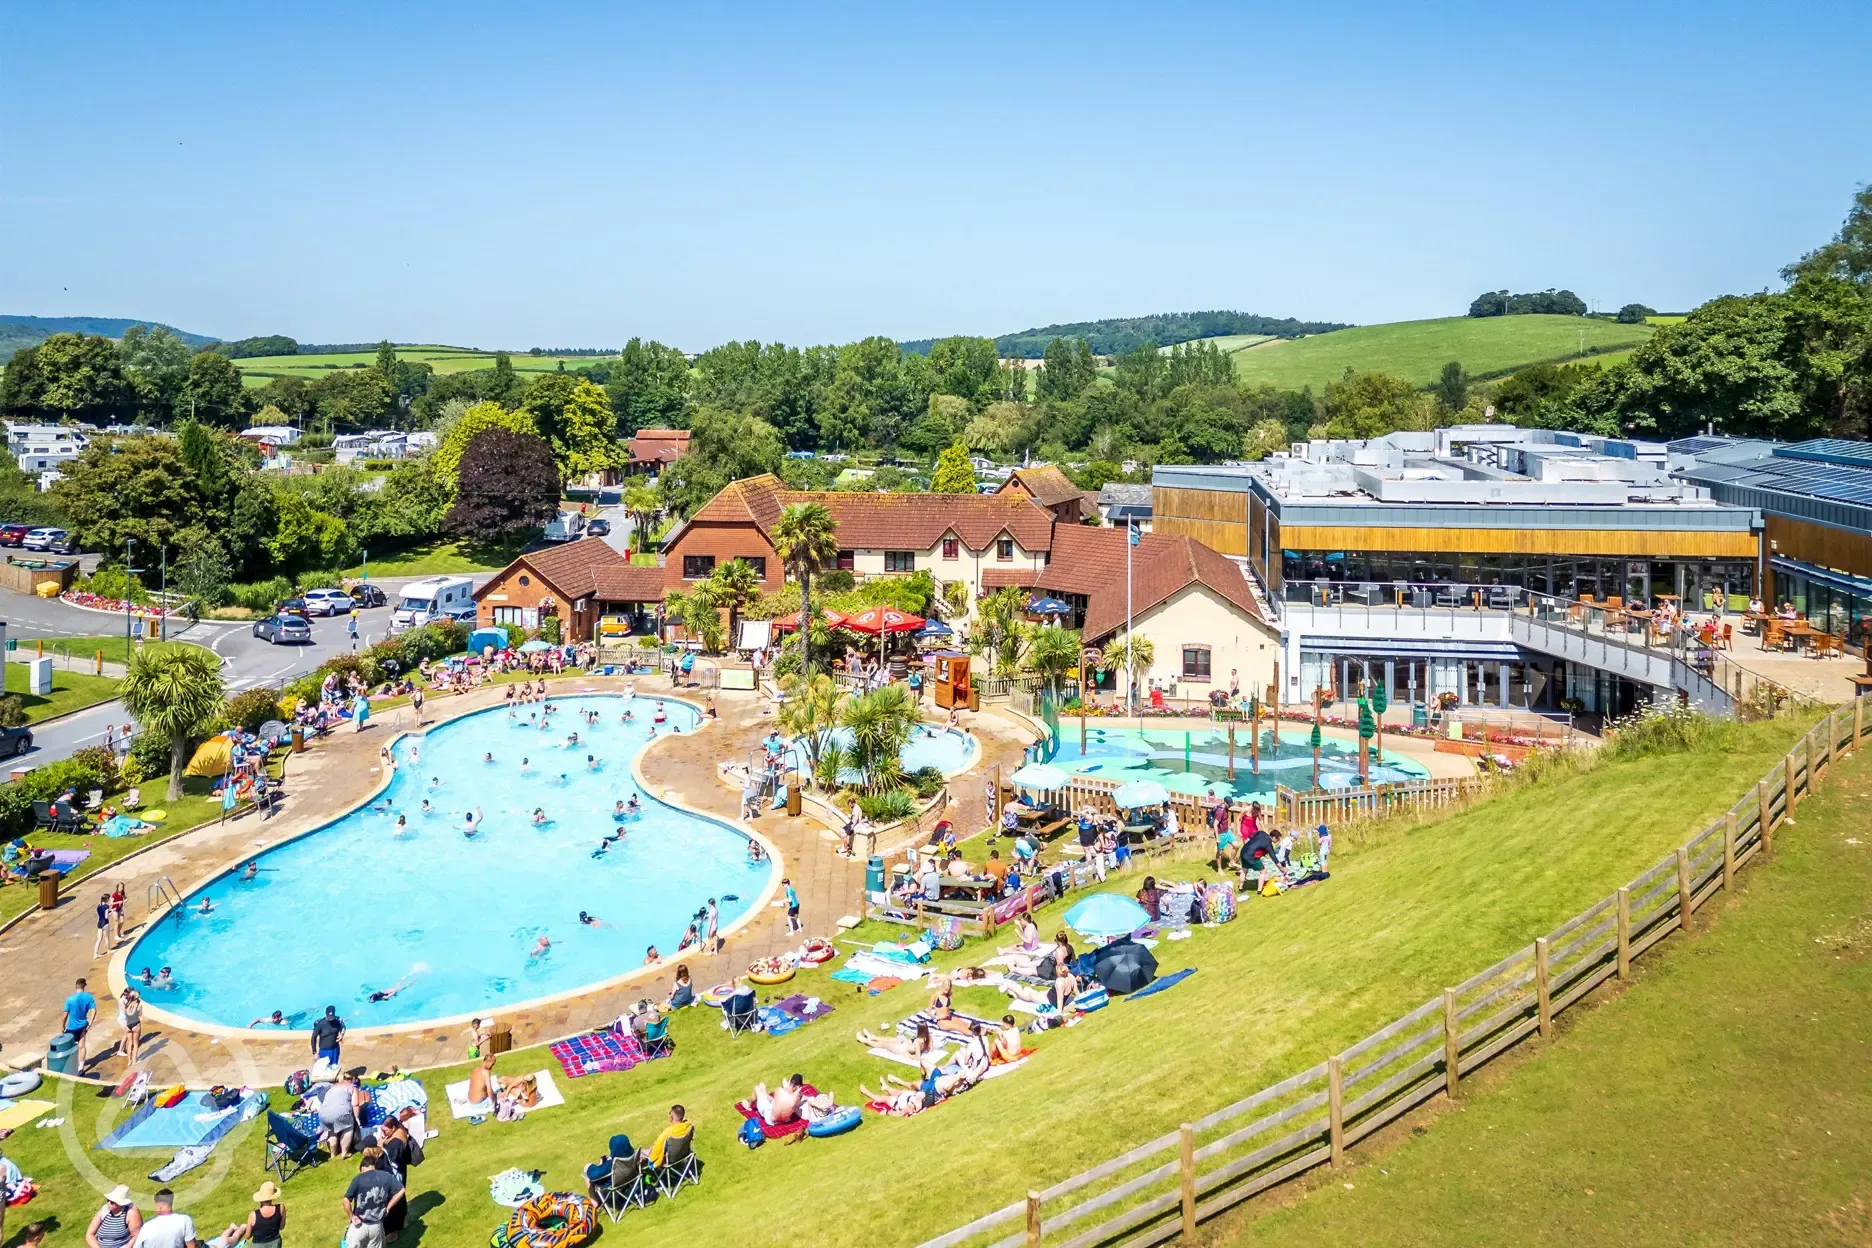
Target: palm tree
(641, 504)
(806, 539)
(1053, 652)
(809, 711)
(174, 690)
(1130, 654)
(880, 722)
(1001, 629)
(734, 585)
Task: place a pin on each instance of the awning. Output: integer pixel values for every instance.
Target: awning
(1837, 580)
(756, 634)
(1378, 647)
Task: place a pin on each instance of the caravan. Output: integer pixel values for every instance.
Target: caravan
(437, 598)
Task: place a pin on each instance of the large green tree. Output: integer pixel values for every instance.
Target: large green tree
(648, 386)
(174, 692)
(506, 485)
(82, 379)
(453, 438)
(724, 446)
(138, 488)
(1069, 368)
(1369, 405)
(157, 364)
(213, 392)
(954, 474)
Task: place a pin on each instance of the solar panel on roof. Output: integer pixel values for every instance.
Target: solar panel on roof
(1696, 446)
(1829, 451)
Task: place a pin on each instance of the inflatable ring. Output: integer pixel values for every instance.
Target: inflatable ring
(838, 1122)
(719, 994)
(817, 952)
(19, 1083)
(549, 1220)
(769, 971)
(151, 816)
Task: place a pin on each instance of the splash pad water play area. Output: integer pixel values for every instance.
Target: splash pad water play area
(1196, 760)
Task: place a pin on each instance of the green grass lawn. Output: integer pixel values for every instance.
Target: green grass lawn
(1413, 908)
(1726, 1099)
(71, 691)
(1418, 350)
(195, 808)
(260, 369)
(82, 649)
(1228, 343)
(438, 558)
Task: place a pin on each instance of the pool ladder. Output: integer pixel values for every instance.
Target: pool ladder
(163, 892)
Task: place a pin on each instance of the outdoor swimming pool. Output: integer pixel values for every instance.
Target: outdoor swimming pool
(1196, 761)
(356, 907)
(948, 750)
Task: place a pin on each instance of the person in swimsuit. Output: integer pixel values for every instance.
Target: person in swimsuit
(539, 817)
(471, 822)
(253, 867)
(402, 825)
(941, 1010)
(589, 920)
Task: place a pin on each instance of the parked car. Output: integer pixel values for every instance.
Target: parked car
(368, 595)
(45, 539)
(13, 534)
(295, 606)
(598, 528)
(15, 741)
(282, 629)
(328, 602)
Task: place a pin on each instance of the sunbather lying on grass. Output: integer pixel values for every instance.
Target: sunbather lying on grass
(920, 1048)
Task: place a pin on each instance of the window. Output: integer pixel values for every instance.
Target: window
(1195, 662)
(525, 580)
(846, 561)
(510, 615)
(950, 546)
(1004, 549)
(695, 567)
(757, 562)
(900, 561)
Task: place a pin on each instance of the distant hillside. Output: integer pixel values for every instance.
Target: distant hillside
(1164, 329)
(1418, 350)
(29, 331)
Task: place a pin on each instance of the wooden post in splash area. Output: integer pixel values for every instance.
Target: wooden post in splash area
(1254, 733)
(1231, 741)
(1274, 700)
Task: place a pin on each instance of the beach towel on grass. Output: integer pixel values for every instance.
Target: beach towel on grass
(852, 975)
(1162, 982)
(183, 1162)
(385, 1099)
(994, 1068)
(775, 1023)
(16, 1114)
(806, 1009)
(461, 1107)
(599, 1052)
(775, 1131)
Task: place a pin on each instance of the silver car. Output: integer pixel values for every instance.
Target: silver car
(283, 630)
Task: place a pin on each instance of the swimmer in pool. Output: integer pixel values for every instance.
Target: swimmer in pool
(471, 822)
(435, 782)
(488, 757)
(539, 816)
(402, 825)
(253, 867)
(632, 807)
(625, 718)
(620, 810)
(653, 730)
(384, 994)
(526, 765)
(572, 741)
(541, 946)
(275, 1019)
(562, 778)
(591, 762)
(589, 920)
(164, 981)
(651, 957)
(427, 809)
(754, 851)
(415, 754)
(206, 907)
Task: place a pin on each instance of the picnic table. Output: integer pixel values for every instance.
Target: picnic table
(1047, 832)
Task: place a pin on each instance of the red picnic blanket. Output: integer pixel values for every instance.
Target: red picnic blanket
(598, 1052)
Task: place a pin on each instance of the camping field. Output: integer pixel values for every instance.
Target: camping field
(258, 370)
(1414, 907)
(1418, 350)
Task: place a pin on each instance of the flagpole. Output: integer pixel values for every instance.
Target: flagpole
(1130, 655)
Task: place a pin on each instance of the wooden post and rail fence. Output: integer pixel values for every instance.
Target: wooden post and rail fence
(1166, 1187)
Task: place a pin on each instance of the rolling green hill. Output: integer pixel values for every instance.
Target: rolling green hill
(1418, 350)
(18, 332)
(259, 370)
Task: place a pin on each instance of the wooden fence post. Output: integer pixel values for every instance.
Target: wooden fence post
(1858, 718)
(1729, 839)
(1335, 1108)
(1683, 889)
(1787, 772)
(1187, 1165)
(1033, 1220)
(1624, 933)
(1542, 998)
(1452, 1043)
(1763, 814)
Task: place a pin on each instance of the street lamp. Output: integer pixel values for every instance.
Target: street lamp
(129, 571)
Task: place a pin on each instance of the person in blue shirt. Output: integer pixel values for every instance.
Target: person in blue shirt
(792, 907)
(80, 1010)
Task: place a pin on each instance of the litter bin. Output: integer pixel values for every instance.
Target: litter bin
(500, 1038)
(298, 739)
(62, 1054)
(48, 890)
(874, 874)
(793, 800)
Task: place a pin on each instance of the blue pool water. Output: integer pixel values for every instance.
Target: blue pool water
(1197, 762)
(946, 749)
(356, 907)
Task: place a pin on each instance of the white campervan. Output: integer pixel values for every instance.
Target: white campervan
(437, 598)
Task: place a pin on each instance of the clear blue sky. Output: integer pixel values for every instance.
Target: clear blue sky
(555, 174)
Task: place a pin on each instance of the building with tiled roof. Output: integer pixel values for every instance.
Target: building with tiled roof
(653, 450)
(578, 582)
(1050, 487)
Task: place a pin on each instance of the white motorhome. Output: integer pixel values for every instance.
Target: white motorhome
(567, 526)
(437, 598)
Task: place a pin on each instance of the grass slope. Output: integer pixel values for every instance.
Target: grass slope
(440, 558)
(258, 370)
(1418, 907)
(81, 650)
(1727, 1099)
(1418, 350)
(71, 691)
(196, 807)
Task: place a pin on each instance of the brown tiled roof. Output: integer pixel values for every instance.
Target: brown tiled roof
(888, 521)
(1091, 562)
(1001, 578)
(658, 446)
(1049, 485)
(588, 568)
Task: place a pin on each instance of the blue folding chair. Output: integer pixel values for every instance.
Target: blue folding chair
(288, 1149)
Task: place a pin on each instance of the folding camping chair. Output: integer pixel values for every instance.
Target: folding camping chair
(656, 1040)
(739, 1013)
(627, 1187)
(288, 1149)
(679, 1166)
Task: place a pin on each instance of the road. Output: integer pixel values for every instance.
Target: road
(246, 661)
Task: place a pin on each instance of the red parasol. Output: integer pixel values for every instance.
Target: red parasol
(833, 619)
(881, 620)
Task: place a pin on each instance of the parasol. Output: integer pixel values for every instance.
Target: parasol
(1134, 794)
(1107, 914)
(1042, 776)
(1124, 966)
(881, 621)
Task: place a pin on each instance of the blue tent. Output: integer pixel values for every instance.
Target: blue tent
(484, 637)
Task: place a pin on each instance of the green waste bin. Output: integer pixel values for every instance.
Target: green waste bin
(874, 874)
(62, 1054)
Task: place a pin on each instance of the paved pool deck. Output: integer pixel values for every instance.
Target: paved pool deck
(46, 951)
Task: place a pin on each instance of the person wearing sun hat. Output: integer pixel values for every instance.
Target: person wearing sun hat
(117, 1222)
(263, 1227)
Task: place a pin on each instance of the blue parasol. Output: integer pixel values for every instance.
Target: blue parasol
(1107, 914)
(1049, 606)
